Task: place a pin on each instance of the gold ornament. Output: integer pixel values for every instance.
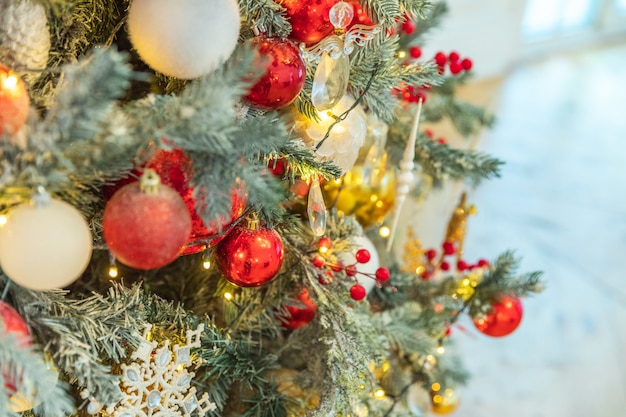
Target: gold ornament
(457, 226)
(467, 285)
(443, 401)
(413, 256)
(368, 202)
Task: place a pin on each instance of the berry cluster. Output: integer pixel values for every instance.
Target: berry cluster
(431, 136)
(454, 62)
(442, 262)
(411, 94)
(362, 256)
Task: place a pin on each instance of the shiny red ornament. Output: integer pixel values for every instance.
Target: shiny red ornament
(503, 319)
(310, 19)
(12, 323)
(249, 257)
(144, 225)
(360, 15)
(299, 316)
(284, 77)
(175, 169)
(14, 101)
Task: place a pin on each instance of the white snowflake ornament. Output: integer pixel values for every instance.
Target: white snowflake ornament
(157, 384)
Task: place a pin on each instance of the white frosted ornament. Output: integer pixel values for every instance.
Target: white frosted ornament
(369, 268)
(184, 38)
(45, 244)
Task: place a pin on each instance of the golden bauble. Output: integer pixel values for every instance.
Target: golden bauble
(443, 401)
(369, 201)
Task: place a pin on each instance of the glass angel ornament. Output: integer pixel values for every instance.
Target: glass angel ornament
(330, 82)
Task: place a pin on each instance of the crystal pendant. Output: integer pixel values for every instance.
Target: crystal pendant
(330, 82)
(374, 166)
(154, 399)
(316, 209)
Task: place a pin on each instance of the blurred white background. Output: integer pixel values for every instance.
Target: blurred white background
(554, 73)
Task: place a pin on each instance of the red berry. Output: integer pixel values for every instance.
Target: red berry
(351, 270)
(467, 64)
(357, 292)
(454, 56)
(441, 59)
(448, 330)
(382, 274)
(318, 261)
(462, 265)
(415, 52)
(278, 167)
(408, 27)
(448, 248)
(456, 67)
(441, 70)
(441, 141)
(338, 267)
(431, 254)
(324, 243)
(420, 95)
(483, 263)
(322, 280)
(427, 274)
(362, 256)
(428, 133)
(445, 266)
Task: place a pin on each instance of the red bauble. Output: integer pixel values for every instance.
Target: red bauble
(504, 318)
(249, 257)
(284, 74)
(299, 316)
(14, 101)
(360, 15)
(310, 20)
(146, 229)
(12, 322)
(175, 169)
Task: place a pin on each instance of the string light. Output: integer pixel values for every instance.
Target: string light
(441, 350)
(206, 260)
(401, 54)
(228, 296)
(380, 393)
(3, 220)
(9, 83)
(436, 387)
(113, 271)
(384, 232)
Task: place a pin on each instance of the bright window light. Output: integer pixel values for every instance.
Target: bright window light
(549, 18)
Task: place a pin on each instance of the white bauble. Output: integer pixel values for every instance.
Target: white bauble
(184, 38)
(362, 242)
(45, 247)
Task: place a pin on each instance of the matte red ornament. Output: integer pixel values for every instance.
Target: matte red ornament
(249, 256)
(358, 292)
(175, 169)
(146, 226)
(14, 101)
(310, 20)
(299, 316)
(362, 256)
(503, 319)
(284, 77)
(12, 322)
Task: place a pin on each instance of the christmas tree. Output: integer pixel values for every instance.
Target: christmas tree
(200, 201)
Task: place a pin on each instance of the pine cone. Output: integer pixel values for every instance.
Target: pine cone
(24, 37)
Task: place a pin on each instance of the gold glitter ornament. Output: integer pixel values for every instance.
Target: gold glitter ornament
(368, 202)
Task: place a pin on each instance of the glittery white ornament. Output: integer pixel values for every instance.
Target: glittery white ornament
(184, 38)
(24, 37)
(157, 384)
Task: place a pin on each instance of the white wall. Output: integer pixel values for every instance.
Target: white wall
(487, 31)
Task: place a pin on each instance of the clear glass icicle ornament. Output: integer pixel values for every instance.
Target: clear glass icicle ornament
(330, 82)
(316, 208)
(375, 162)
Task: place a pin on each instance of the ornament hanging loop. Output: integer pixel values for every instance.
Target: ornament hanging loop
(150, 181)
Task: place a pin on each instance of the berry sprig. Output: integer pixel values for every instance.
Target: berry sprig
(453, 60)
(431, 135)
(330, 268)
(445, 260)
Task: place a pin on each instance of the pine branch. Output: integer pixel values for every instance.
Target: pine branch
(266, 16)
(26, 369)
